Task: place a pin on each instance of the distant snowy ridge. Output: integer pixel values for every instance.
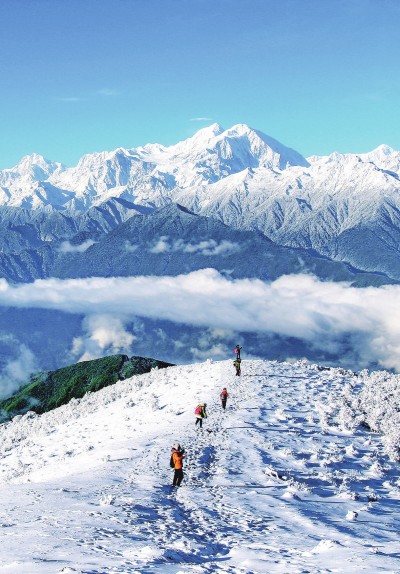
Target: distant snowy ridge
(344, 206)
(153, 173)
(145, 173)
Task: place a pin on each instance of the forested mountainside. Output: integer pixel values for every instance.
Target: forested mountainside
(51, 389)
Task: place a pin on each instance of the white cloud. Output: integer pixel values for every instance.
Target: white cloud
(212, 343)
(161, 246)
(67, 247)
(108, 92)
(207, 247)
(103, 333)
(17, 371)
(130, 247)
(321, 313)
(201, 119)
(104, 92)
(71, 99)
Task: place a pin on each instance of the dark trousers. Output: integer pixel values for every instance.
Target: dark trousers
(178, 477)
(223, 403)
(200, 421)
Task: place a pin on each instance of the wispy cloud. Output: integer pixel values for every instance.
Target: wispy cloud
(161, 245)
(67, 247)
(208, 247)
(102, 333)
(17, 370)
(108, 92)
(71, 99)
(201, 119)
(212, 343)
(102, 92)
(326, 315)
(130, 247)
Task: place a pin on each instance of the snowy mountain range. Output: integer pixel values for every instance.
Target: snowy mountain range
(280, 482)
(343, 206)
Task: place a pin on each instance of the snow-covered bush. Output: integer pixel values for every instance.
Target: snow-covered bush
(371, 400)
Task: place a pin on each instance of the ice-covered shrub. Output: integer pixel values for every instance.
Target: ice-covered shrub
(371, 400)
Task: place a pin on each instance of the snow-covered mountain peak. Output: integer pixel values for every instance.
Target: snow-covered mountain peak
(270, 152)
(369, 169)
(149, 150)
(208, 132)
(201, 140)
(36, 167)
(384, 157)
(245, 131)
(235, 149)
(383, 149)
(99, 157)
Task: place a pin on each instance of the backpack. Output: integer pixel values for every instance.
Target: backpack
(171, 462)
(197, 410)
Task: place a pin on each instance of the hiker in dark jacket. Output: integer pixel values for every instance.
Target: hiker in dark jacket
(236, 364)
(237, 351)
(224, 396)
(200, 412)
(178, 454)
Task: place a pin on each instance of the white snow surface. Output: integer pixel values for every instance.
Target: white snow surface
(270, 484)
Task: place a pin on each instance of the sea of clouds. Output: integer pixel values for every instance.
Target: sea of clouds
(323, 314)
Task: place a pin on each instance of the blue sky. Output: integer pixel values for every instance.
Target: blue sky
(80, 76)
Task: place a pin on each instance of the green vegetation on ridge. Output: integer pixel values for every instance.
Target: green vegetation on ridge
(48, 390)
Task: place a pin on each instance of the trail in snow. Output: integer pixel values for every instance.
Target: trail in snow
(268, 486)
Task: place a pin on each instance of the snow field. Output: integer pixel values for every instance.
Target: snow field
(271, 485)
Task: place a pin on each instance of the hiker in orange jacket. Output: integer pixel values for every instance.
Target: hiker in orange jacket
(178, 454)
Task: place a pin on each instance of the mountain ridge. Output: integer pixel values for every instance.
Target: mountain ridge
(48, 390)
(247, 180)
(258, 149)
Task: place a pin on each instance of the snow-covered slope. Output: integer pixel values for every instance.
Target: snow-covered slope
(345, 206)
(272, 484)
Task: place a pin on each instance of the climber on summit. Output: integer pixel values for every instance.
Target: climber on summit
(237, 351)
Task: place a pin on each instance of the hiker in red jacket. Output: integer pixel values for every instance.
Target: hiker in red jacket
(178, 454)
(224, 396)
